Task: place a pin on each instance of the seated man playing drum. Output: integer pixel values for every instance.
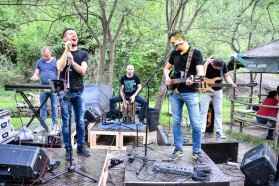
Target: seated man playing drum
(129, 91)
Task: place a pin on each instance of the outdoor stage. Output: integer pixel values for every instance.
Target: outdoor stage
(97, 166)
(106, 140)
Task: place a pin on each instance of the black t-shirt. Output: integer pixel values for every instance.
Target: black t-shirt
(76, 79)
(212, 73)
(130, 84)
(179, 61)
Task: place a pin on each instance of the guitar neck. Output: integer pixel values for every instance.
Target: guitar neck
(180, 80)
(225, 85)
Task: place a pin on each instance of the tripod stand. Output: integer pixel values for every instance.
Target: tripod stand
(71, 167)
(148, 84)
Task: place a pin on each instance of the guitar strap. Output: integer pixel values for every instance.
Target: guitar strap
(187, 66)
(189, 60)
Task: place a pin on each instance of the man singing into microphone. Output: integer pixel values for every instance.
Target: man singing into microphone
(185, 93)
(74, 62)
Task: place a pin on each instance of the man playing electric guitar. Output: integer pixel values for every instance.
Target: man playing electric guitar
(214, 69)
(188, 60)
(173, 87)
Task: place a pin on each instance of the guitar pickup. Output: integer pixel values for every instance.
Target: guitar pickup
(198, 78)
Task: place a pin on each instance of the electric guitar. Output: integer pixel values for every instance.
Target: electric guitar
(174, 82)
(207, 84)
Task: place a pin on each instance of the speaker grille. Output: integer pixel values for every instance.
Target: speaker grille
(259, 165)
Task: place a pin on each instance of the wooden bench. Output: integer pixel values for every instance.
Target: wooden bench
(242, 120)
(250, 112)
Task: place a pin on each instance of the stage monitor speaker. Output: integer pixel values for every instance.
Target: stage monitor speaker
(89, 116)
(259, 165)
(22, 162)
(153, 119)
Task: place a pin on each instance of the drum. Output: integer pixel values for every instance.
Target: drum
(129, 113)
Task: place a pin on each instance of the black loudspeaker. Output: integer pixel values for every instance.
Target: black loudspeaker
(259, 165)
(153, 119)
(88, 115)
(22, 162)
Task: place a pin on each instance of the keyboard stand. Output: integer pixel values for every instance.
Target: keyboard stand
(36, 113)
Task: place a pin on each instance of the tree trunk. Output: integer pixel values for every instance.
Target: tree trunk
(161, 95)
(111, 62)
(101, 68)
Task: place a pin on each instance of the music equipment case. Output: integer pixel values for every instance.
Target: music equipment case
(6, 129)
(5, 118)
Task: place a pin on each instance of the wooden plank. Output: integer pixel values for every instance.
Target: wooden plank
(105, 173)
(89, 129)
(243, 113)
(119, 139)
(250, 121)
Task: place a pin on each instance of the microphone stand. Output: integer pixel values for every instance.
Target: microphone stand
(71, 167)
(148, 84)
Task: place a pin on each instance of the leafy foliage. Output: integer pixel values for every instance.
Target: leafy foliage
(220, 28)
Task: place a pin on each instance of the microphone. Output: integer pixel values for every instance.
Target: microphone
(69, 45)
(178, 43)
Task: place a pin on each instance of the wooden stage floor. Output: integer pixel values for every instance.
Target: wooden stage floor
(92, 166)
(149, 177)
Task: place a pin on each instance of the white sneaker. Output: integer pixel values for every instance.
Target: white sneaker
(220, 135)
(39, 129)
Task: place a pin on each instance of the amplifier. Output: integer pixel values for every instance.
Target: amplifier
(53, 138)
(22, 162)
(259, 165)
(5, 118)
(6, 132)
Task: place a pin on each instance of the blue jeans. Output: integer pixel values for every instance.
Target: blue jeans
(54, 110)
(78, 104)
(192, 103)
(139, 99)
(264, 121)
(217, 100)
